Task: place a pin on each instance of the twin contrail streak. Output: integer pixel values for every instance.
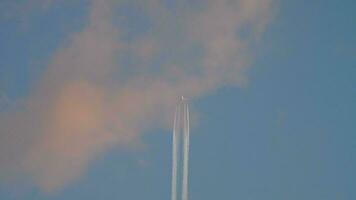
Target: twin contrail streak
(174, 161)
(180, 151)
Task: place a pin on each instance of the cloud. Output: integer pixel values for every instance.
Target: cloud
(102, 90)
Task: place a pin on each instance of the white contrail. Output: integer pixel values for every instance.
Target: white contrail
(180, 151)
(186, 153)
(174, 161)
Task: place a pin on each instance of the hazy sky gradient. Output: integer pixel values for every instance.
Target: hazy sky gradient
(272, 86)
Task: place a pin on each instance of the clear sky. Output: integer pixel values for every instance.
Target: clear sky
(88, 89)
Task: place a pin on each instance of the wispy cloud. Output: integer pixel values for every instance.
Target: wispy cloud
(90, 99)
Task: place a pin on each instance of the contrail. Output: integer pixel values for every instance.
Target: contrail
(186, 153)
(180, 151)
(174, 161)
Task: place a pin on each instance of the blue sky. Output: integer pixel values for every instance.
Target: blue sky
(288, 132)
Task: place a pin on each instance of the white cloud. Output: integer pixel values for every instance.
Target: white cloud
(87, 102)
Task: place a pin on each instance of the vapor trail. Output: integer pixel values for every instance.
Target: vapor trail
(174, 161)
(186, 153)
(180, 151)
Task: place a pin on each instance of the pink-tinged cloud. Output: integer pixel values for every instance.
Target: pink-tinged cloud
(89, 101)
